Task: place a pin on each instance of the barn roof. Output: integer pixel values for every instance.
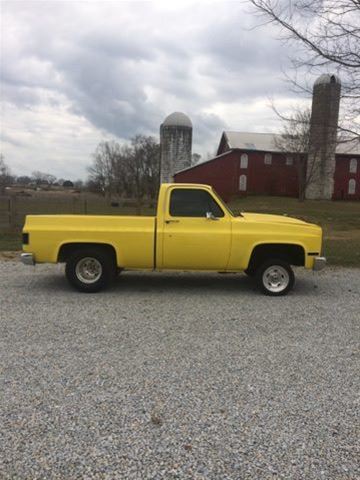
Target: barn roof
(266, 142)
(349, 148)
(252, 141)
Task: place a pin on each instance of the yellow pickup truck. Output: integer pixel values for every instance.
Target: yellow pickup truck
(193, 230)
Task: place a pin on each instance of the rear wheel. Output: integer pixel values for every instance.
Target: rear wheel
(90, 270)
(275, 277)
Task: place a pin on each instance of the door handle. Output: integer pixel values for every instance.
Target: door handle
(171, 221)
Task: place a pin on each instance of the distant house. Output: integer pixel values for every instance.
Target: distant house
(251, 163)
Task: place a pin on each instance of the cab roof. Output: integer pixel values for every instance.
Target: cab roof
(189, 185)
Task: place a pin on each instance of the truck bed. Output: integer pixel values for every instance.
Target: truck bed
(49, 232)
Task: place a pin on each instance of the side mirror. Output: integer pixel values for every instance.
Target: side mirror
(211, 216)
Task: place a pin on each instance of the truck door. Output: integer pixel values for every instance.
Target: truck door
(196, 231)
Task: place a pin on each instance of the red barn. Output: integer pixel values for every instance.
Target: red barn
(250, 163)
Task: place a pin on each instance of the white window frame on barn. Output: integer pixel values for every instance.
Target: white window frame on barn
(244, 160)
(352, 186)
(353, 165)
(289, 160)
(268, 159)
(242, 183)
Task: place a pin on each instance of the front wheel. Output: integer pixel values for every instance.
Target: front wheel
(275, 277)
(90, 270)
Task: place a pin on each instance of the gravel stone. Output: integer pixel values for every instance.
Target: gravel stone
(178, 376)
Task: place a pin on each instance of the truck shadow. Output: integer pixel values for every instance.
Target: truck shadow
(191, 283)
(156, 283)
(165, 282)
(195, 283)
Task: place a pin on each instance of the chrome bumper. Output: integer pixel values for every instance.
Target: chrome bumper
(27, 258)
(319, 263)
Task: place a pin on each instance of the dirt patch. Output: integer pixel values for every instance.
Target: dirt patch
(6, 256)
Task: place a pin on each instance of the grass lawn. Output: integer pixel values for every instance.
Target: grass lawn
(340, 221)
(10, 241)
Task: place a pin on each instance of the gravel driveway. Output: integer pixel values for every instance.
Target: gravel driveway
(178, 376)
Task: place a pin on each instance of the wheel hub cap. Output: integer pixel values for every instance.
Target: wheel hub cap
(88, 270)
(276, 278)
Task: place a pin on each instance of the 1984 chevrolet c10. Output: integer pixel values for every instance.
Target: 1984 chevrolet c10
(193, 230)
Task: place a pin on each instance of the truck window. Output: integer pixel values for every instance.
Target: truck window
(188, 202)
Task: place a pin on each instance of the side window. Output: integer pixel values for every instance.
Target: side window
(267, 159)
(351, 187)
(242, 183)
(353, 165)
(244, 160)
(186, 202)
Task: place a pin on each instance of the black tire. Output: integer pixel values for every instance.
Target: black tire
(282, 281)
(250, 272)
(100, 273)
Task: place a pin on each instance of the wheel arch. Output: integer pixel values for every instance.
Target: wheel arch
(293, 253)
(67, 249)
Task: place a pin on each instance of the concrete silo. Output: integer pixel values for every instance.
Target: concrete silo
(175, 144)
(323, 136)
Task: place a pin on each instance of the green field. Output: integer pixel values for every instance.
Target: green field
(10, 241)
(340, 221)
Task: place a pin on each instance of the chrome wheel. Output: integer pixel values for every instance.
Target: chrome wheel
(275, 278)
(88, 270)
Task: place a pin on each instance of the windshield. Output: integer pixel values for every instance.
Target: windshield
(225, 205)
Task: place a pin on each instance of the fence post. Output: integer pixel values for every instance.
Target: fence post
(85, 206)
(12, 211)
(9, 211)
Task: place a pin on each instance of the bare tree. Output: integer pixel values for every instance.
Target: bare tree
(5, 175)
(79, 184)
(210, 155)
(195, 158)
(129, 169)
(42, 178)
(37, 177)
(49, 179)
(23, 180)
(295, 141)
(327, 36)
(144, 167)
(101, 172)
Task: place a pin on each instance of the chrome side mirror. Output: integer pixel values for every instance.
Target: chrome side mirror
(211, 216)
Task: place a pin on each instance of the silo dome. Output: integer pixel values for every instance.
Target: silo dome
(177, 119)
(327, 78)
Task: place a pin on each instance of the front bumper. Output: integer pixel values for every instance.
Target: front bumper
(319, 263)
(27, 258)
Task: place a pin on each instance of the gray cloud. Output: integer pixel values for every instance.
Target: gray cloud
(123, 67)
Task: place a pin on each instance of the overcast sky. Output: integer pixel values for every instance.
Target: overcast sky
(76, 72)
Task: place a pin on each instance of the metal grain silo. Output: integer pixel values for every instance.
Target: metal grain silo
(175, 144)
(323, 136)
